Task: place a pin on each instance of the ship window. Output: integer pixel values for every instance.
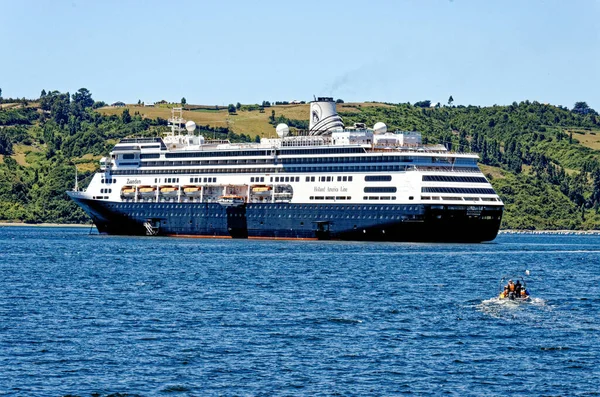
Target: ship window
(378, 178)
(312, 178)
(339, 178)
(252, 179)
(380, 189)
(297, 179)
(344, 179)
(349, 179)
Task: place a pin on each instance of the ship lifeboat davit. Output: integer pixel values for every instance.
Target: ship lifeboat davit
(261, 190)
(147, 191)
(231, 201)
(192, 191)
(169, 191)
(128, 192)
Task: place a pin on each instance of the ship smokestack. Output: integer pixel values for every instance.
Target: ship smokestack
(324, 117)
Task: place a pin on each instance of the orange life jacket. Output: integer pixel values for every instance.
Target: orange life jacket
(511, 287)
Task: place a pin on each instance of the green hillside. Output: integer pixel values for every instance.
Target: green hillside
(543, 160)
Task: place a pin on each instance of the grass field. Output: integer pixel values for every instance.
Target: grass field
(589, 139)
(20, 153)
(244, 122)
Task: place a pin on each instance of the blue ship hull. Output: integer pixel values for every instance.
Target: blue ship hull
(366, 222)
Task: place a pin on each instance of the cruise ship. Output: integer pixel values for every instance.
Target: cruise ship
(329, 183)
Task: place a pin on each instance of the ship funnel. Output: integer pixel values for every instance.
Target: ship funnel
(324, 117)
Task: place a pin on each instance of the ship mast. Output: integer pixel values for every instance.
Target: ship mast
(76, 184)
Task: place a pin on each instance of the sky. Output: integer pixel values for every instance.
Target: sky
(482, 52)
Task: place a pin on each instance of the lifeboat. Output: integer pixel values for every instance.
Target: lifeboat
(128, 192)
(147, 191)
(192, 191)
(261, 190)
(231, 201)
(169, 191)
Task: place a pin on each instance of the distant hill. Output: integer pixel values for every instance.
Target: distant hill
(543, 160)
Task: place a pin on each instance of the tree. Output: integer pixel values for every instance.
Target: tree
(83, 97)
(0, 92)
(231, 108)
(183, 101)
(450, 100)
(139, 102)
(339, 100)
(238, 106)
(43, 94)
(126, 117)
(423, 104)
(581, 108)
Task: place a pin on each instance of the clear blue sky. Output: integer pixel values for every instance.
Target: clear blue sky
(481, 52)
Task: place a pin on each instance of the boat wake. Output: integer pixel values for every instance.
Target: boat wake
(510, 309)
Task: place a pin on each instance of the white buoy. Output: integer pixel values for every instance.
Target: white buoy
(527, 272)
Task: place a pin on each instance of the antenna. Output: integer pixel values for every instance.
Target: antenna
(76, 184)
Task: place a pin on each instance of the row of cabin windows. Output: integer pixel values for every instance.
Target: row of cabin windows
(308, 207)
(237, 153)
(380, 189)
(330, 198)
(367, 168)
(460, 198)
(449, 178)
(105, 191)
(108, 180)
(457, 190)
(276, 215)
(257, 179)
(382, 198)
(286, 179)
(203, 180)
(378, 178)
(329, 179)
(311, 160)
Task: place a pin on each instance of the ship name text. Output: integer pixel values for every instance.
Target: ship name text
(330, 189)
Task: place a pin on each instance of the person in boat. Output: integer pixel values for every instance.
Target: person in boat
(510, 286)
(518, 287)
(504, 294)
(524, 294)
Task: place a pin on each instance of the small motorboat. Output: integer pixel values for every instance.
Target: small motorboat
(515, 291)
(231, 200)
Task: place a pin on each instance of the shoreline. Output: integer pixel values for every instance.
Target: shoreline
(16, 224)
(557, 232)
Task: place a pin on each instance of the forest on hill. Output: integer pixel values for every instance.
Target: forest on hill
(543, 160)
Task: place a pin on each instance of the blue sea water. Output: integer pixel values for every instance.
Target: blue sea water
(100, 315)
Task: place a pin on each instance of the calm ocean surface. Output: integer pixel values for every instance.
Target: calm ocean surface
(99, 315)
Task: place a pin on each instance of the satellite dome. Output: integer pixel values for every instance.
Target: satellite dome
(282, 130)
(380, 128)
(190, 126)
